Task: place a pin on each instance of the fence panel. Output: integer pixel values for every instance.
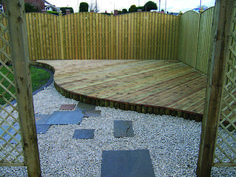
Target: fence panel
(97, 36)
(188, 37)
(204, 41)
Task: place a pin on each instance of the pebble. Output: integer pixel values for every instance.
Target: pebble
(173, 142)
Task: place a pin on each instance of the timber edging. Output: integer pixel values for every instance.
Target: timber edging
(140, 108)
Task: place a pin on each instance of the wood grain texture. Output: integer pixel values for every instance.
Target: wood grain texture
(98, 36)
(171, 85)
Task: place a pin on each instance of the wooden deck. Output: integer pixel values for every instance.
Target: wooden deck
(148, 86)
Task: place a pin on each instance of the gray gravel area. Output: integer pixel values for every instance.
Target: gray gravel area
(173, 142)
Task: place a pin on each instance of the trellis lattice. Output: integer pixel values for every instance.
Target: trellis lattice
(11, 151)
(225, 151)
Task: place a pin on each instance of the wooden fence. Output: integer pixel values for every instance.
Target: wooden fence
(140, 35)
(195, 38)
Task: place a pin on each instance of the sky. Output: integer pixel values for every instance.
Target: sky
(110, 5)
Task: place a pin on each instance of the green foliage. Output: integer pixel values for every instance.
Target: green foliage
(53, 12)
(124, 11)
(39, 77)
(63, 10)
(83, 7)
(150, 5)
(30, 8)
(133, 8)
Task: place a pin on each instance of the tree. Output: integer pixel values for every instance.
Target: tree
(124, 11)
(83, 7)
(30, 8)
(150, 6)
(133, 8)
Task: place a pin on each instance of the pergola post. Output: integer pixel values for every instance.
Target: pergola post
(20, 58)
(216, 70)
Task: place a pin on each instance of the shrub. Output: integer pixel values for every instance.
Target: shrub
(83, 7)
(150, 6)
(53, 12)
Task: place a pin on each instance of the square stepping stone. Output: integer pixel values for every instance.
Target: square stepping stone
(84, 134)
(42, 128)
(62, 118)
(67, 107)
(133, 163)
(123, 129)
(85, 107)
(92, 113)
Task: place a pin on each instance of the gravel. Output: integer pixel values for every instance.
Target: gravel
(173, 142)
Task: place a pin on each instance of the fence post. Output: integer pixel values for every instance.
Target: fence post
(61, 35)
(220, 30)
(20, 58)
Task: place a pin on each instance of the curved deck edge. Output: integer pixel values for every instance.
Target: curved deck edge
(140, 108)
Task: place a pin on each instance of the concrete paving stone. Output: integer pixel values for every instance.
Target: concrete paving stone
(67, 107)
(95, 113)
(128, 163)
(84, 134)
(85, 107)
(42, 128)
(63, 118)
(123, 129)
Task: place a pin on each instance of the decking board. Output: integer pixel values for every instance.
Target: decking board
(125, 83)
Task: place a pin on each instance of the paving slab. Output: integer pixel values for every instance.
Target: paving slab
(130, 163)
(62, 118)
(42, 128)
(41, 116)
(91, 113)
(85, 107)
(84, 134)
(67, 107)
(123, 128)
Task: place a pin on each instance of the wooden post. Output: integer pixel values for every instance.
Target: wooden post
(220, 30)
(61, 36)
(20, 57)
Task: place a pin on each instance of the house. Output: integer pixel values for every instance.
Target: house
(51, 7)
(39, 4)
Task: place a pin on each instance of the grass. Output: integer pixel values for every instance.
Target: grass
(39, 77)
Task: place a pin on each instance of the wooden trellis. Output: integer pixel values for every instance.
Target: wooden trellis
(11, 152)
(225, 149)
(18, 138)
(218, 137)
